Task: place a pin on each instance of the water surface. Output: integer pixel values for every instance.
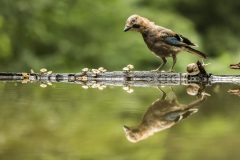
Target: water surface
(65, 121)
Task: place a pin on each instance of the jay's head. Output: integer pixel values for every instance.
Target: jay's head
(133, 134)
(134, 23)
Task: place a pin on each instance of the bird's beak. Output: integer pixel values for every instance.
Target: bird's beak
(126, 28)
(126, 128)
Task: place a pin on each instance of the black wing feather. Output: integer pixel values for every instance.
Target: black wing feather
(184, 40)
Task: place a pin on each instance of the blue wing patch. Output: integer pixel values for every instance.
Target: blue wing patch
(173, 116)
(178, 115)
(173, 41)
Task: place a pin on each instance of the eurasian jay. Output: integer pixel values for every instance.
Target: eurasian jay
(162, 114)
(161, 41)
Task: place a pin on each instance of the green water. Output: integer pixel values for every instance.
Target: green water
(65, 121)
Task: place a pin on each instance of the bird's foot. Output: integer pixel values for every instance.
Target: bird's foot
(156, 70)
(170, 71)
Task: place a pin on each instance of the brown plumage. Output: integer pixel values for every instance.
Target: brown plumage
(162, 114)
(161, 41)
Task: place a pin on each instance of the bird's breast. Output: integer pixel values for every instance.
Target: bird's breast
(150, 41)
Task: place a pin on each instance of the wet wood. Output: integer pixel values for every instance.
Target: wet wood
(121, 78)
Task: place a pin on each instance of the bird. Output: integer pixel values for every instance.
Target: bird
(161, 114)
(161, 41)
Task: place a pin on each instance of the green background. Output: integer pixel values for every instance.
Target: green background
(64, 121)
(68, 35)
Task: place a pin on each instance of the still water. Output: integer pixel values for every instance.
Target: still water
(67, 122)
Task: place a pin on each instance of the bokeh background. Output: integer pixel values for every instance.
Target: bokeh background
(67, 35)
(66, 122)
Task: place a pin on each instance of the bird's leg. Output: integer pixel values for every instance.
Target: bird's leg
(174, 62)
(161, 65)
(174, 95)
(164, 93)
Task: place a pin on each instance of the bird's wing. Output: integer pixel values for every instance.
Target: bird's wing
(172, 38)
(179, 115)
(173, 116)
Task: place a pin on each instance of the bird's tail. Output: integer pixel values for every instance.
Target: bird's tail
(194, 51)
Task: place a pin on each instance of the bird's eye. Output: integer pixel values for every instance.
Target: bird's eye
(133, 20)
(133, 136)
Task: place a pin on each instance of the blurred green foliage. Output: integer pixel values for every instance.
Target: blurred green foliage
(216, 21)
(67, 35)
(67, 122)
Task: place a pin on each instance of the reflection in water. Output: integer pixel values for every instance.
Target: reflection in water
(163, 114)
(234, 91)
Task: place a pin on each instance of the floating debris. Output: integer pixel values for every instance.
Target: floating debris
(125, 88)
(193, 69)
(32, 71)
(49, 83)
(85, 86)
(197, 90)
(43, 70)
(49, 72)
(128, 68)
(193, 89)
(82, 78)
(101, 87)
(71, 78)
(197, 68)
(125, 69)
(25, 81)
(128, 89)
(101, 69)
(95, 71)
(95, 84)
(25, 75)
(43, 85)
(25, 78)
(85, 69)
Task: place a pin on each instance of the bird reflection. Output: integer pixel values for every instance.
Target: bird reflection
(163, 114)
